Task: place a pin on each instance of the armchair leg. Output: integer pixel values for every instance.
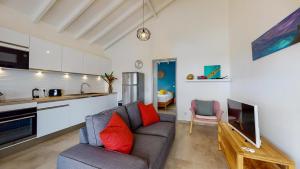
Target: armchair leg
(191, 127)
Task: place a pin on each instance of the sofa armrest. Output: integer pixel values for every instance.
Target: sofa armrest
(83, 136)
(167, 117)
(84, 156)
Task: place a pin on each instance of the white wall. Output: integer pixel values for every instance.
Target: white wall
(193, 31)
(19, 83)
(271, 82)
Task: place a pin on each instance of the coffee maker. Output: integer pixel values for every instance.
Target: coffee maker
(35, 93)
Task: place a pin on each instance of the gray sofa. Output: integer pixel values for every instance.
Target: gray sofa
(151, 143)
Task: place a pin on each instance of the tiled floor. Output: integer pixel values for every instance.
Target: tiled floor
(198, 151)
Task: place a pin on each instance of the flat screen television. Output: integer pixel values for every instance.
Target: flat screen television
(243, 118)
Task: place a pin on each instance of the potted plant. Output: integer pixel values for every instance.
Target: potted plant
(109, 79)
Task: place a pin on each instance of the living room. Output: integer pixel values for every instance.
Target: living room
(195, 33)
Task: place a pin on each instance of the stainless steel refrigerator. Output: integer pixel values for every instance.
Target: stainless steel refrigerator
(132, 87)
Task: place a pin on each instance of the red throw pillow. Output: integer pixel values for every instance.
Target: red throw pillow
(117, 136)
(148, 114)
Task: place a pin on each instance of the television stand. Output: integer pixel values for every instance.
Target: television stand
(266, 157)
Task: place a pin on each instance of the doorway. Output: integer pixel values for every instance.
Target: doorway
(164, 85)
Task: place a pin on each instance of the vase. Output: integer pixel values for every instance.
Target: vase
(110, 88)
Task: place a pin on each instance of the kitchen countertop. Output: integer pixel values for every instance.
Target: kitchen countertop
(50, 99)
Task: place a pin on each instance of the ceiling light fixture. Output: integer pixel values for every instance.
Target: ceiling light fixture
(143, 33)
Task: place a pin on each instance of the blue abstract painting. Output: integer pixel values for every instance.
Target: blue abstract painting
(284, 34)
(212, 71)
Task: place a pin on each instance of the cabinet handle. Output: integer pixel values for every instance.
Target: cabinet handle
(6, 121)
(53, 107)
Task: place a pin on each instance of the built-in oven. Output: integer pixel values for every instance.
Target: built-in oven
(17, 124)
(14, 56)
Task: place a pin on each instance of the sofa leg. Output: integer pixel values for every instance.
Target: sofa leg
(191, 127)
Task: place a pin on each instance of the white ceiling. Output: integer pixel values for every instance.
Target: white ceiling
(102, 22)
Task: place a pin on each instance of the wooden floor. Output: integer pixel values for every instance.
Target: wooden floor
(171, 109)
(198, 151)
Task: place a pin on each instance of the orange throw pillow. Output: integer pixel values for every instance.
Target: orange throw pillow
(117, 136)
(148, 114)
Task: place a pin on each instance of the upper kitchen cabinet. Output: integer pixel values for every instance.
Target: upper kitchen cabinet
(72, 60)
(44, 55)
(96, 65)
(12, 37)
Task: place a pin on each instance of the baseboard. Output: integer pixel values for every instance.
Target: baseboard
(20, 147)
(183, 121)
(196, 123)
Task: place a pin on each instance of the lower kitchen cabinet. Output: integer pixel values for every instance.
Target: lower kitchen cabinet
(99, 104)
(52, 117)
(55, 116)
(79, 109)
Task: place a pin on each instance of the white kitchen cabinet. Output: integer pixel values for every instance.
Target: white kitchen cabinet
(79, 110)
(92, 64)
(59, 115)
(44, 55)
(72, 60)
(52, 117)
(13, 37)
(99, 104)
(96, 65)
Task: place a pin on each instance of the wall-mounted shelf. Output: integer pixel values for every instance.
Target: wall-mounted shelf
(209, 80)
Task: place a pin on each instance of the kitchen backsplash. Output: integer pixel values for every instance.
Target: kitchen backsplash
(19, 83)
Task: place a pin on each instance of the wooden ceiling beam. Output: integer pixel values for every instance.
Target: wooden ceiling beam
(83, 6)
(116, 22)
(126, 32)
(135, 26)
(150, 5)
(43, 9)
(98, 18)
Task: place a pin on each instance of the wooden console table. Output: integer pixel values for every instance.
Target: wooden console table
(266, 157)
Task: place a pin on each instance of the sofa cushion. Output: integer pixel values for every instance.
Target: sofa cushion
(84, 156)
(96, 123)
(164, 129)
(148, 114)
(167, 117)
(152, 153)
(134, 115)
(117, 136)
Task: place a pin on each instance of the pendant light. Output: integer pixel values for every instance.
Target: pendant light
(143, 33)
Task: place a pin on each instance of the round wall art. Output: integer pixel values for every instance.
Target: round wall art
(138, 64)
(161, 74)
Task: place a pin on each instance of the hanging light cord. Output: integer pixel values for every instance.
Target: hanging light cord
(143, 13)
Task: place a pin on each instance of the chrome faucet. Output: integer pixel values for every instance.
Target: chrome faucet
(81, 87)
